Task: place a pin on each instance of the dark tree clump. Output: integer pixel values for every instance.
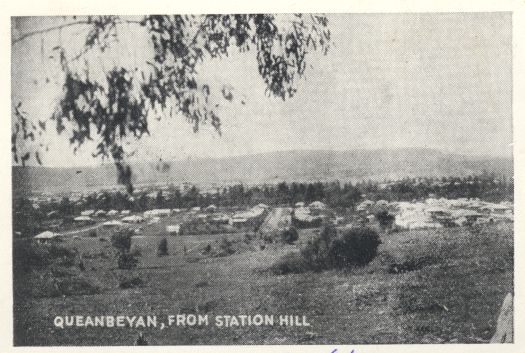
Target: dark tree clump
(385, 219)
(356, 247)
(126, 259)
(162, 249)
(289, 236)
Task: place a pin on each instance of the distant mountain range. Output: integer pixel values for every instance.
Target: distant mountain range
(269, 167)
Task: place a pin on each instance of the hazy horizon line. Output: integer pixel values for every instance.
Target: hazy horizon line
(195, 158)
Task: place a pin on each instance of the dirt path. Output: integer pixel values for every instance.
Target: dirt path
(278, 219)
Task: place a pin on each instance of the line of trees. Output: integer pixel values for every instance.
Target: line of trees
(487, 187)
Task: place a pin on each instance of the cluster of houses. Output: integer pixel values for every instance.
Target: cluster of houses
(438, 213)
(209, 213)
(242, 217)
(430, 213)
(309, 213)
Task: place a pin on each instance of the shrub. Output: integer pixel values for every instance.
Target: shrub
(51, 286)
(93, 233)
(207, 249)
(121, 240)
(162, 249)
(327, 235)
(96, 255)
(316, 252)
(226, 247)
(78, 286)
(385, 219)
(201, 284)
(356, 247)
(28, 256)
(412, 264)
(291, 263)
(289, 236)
(315, 223)
(132, 282)
(127, 261)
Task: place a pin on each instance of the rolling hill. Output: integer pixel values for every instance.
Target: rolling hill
(269, 167)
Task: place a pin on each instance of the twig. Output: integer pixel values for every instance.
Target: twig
(46, 30)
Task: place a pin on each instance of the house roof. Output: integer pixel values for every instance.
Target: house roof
(46, 235)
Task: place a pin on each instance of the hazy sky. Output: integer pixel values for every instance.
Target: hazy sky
(398, 80)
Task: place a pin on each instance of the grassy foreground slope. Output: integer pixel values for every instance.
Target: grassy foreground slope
(432, 286)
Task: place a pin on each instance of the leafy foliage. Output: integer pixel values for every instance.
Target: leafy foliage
(289, 236)
(316, 253)
(385, 219)
(127, 261)
(119, 104)
(121, 240)
(356, 247)
(162, 249)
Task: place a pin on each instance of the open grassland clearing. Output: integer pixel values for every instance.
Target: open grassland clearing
(425, 286)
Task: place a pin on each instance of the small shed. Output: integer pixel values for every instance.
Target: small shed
(173, 229)
(45, 236)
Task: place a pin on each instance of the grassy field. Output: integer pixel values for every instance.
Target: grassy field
(432, 286)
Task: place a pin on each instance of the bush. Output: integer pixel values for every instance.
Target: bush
(93, 234)
(226, 247)
(289, 236)
(412, 264)
(385, 219)
(356, 247)
(317, 252)
(51, 286)
(96, 255)
(28, 256)
(207, 249)
(291, 263)
(132, 282)
(327, 235)
(162, 249)
(127, 261)
(121, 240)
(315, 223)
(78, 286)
(268, 238)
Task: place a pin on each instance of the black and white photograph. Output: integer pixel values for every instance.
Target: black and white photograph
(262, 179)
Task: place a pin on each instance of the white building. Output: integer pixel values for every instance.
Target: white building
(82, 219)
(173, 229)
(44, 236)
(164, 212)
(87, 213)
(318, 205)
(133, 219)
(110, 224)
(100, 213)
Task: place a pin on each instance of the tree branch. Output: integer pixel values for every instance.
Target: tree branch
(46, 30)
(65, 25)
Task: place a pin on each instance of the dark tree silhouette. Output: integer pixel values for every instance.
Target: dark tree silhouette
(118, 105)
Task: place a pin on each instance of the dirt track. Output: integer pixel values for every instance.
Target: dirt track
(279, 218)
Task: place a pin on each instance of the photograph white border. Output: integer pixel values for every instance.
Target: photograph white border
(136, 7)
